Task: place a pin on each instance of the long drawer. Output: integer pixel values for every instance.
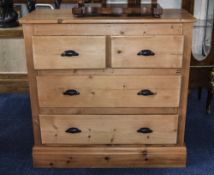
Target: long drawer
(109, 129)
(109, 91)
(147, 51)
(69, 52)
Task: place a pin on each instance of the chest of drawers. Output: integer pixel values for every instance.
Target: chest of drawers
(108, 92)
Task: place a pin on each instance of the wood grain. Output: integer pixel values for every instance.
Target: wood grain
(125, 52)
(108, 157)
(108, 111)
(15, 32)
(109, 91)
(108, 29)
(28, 30)
(111, 72)
(47, 52)
(64, 16)
(188, 5)
(185, 81)
(108, 97)
(109, 129)
(13, 83)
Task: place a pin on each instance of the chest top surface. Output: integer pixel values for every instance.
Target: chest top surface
(64, 16)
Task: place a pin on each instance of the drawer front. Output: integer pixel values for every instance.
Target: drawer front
(147, 52)
(69, 52)
(108, 91)
(109, 129)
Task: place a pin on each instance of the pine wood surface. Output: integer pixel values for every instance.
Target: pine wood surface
(108, 91)
(109, 129)
(109, 72)
(108, 157)
(28, 29)
(122, 29)
(169, 55)
(109, 111)
(185, 81)
(47, 52)
(65, 16)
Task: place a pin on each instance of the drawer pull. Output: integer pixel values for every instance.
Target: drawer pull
(73, 130)
(69, 53)
(71, 92)
(145, 92)
(145, 130)
(146, 53)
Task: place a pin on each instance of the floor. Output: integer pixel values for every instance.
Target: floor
(16, 141)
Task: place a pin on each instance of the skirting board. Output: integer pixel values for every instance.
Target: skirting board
(10, 83)
(109, 157)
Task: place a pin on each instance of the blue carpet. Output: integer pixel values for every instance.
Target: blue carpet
(16, 141)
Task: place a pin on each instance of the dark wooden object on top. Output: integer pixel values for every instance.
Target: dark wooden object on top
(133, 8)
(64, 1)
(202, 72)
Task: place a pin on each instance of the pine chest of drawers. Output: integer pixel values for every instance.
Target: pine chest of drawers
(108, 92)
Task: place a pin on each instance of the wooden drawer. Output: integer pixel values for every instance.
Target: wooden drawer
(83, 52)
(109, 129)
(147, 52)
(109, 91)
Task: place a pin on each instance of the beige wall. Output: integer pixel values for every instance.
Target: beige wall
(12, 56)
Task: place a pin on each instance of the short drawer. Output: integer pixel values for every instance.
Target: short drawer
(109, 91)
(147, 52)
(69, 52)
(109, 129)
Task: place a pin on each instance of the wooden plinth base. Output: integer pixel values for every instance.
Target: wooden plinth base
(109, 157)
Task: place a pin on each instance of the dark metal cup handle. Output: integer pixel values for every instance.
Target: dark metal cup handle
(71, 92)
(145, 92)
(145, 130)
(146, 53)
(69, 53)
(73, 130)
